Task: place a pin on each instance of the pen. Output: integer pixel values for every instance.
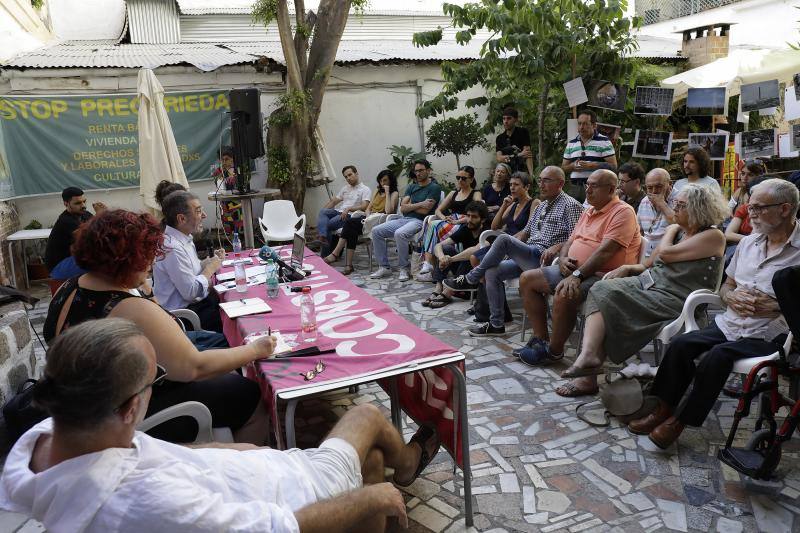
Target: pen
(269, 331)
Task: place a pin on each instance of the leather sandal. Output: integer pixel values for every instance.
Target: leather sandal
(422, 437)
(347, 270)
(331, 258)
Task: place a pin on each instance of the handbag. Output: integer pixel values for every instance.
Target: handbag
(623, 398)
(19, 412)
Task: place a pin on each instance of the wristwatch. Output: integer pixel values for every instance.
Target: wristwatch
(577, 273)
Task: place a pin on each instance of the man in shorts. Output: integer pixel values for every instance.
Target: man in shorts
(88, 469)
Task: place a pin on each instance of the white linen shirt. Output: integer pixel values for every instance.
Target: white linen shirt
(751, 268)
(155, 486)
(177, 278)
(353, 196)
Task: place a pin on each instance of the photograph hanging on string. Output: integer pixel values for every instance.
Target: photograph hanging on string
(650, 144)
(761, 95)
(713, 143)
(758, 143)
(606, 94)
(609, 130)
(795, 136)
(706, 101)
(653, 101)
(796, 80)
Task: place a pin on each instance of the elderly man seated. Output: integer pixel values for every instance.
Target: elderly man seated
(606, 237)
(656, 211)
(751, 326)
(548, 228)
(88, 469)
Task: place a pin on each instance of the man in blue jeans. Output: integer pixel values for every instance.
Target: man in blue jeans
(419, 200)
(548, 228)
(354, 196)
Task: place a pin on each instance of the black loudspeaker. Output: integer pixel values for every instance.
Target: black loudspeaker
(246, 131)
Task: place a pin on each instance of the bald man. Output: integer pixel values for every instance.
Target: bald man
(655, 211)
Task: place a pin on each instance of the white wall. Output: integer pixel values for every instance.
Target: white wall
(357, 123)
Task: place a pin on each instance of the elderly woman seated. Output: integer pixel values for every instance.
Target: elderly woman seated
(628, 308)
(117, 249)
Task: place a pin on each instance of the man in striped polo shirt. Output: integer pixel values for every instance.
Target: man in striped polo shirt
(586, 153)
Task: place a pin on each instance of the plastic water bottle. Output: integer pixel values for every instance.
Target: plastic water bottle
(272, 279)
(237, 244)
(308, 316)
(241, 276)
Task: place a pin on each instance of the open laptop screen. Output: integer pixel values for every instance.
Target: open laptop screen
(298, 249)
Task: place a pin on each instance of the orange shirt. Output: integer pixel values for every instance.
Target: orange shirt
(615, 221)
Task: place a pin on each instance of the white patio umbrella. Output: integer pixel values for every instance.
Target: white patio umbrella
(159, 158)
(739, 67)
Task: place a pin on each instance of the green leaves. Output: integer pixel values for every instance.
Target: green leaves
(265, 11)
(457, 136)
(427, 38)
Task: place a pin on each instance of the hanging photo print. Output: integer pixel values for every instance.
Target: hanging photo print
(653, 101)
(795, 137)
(606, 94)
(758, 143)
(609, 130)
(707, 101)
(652, 144)
(761, 95)
(713, 143)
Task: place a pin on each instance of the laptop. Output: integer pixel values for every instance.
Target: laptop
(298, 251)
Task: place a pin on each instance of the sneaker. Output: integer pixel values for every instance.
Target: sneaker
(426, 267)
(487, 330)
(460, 284)
(532, 342)
(425, 276)
(382, 272)
(404, 275)
(538, 355)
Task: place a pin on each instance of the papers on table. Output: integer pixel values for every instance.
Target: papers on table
(250, 272)
(244, 307)
(230, 262)
(281, 346)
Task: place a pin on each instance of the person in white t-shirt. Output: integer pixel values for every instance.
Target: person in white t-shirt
(88, 469)
(354, 196)
(696, 166)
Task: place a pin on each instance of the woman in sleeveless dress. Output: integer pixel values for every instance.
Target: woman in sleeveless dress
(629, 306)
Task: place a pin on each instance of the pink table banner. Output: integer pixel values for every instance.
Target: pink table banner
(368, 337)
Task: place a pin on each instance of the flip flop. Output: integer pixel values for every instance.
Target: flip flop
(440, 301)
(429, 299)
(570, 390)
(421, 437)
(579, 372)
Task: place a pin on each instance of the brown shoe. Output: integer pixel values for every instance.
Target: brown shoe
(646, 424)
(667, 433)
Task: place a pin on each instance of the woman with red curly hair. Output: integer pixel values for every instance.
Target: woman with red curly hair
(117, 248)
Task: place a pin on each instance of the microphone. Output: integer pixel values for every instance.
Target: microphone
(266, 253)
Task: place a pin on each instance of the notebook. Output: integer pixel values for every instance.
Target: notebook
(244, 307)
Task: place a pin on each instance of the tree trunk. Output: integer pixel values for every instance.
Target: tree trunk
(458, 163)
(298, 149)
(540, 123)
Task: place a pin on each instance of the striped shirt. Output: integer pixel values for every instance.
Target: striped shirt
(553, 221)
(597, 149)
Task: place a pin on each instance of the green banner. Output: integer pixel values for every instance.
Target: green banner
(48, 143)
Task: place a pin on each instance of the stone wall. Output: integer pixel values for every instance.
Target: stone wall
(9, 223)
(704, 45)
(17, 358)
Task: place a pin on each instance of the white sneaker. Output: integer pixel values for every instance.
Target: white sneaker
(426, 267)
(425, 276)
(382, 272)
(404, 275)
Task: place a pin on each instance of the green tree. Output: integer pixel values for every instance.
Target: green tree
(457, 136)
(309, 45)
(536, 45)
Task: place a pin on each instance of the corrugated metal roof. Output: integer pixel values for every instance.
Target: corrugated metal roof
(207, 56)
(153, 22)
(245, 7)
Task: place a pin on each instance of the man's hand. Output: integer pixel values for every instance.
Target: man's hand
(526, 153)
(765, 305)
(569, 288)
(445, 261)
(658, 201)
(219, 253)
(550, 254)
(621, 272)
(99, 207)
(212, 264)
(390, 501)
(741, 301)
(344, 214)
(567, 265)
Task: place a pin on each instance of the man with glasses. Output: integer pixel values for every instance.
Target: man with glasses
(605, 237)
(751, 326)
(88, 469)
(419, 200)
(539, 243)
(587, 152)
(180, 279)
(631, 192)
(656, 209)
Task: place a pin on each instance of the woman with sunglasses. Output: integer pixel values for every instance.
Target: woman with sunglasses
(449, 216)
(384, 202)
(633, 302)
(117, 248)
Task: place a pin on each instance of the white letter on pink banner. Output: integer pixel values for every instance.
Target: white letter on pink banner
(404, 345)
(378, 325)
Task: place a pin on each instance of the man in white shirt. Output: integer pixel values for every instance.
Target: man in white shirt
(696, 166)
(354, 196)
(88, 469)
(750, 327)
(180, 279)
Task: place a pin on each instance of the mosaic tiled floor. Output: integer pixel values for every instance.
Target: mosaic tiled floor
(536, 467)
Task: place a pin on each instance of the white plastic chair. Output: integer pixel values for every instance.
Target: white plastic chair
(196, 410)
(188, 315)
(280, 222)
